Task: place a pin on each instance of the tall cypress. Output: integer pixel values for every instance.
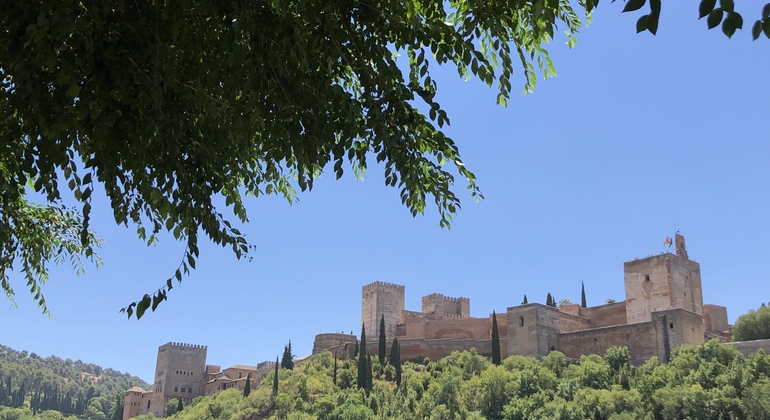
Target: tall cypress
(395, 359)
(179, 406)
(524, 302)
(369, 375)
(362, 359)
(287, 361)
(583, 295)
(355, 350)
(495, 341)
(247, 388)
(383, 344)
(275, 378)
(548, 300)
(334, 376)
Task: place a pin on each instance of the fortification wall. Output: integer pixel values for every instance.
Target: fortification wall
(750, 347)
(715, 318)
(570, 322)
(445, 306)
(686, 290)
(640, 339)
(675, 327)
(378, 299)
(606, 315)
(532, 329)
(648, 288)
(436, 349)
(343, 345)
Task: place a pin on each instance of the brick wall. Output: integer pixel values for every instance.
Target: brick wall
(640, 339)
(606, 315)
(343, 345)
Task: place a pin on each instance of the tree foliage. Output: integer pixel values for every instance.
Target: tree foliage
(495, 341)
(754, 325)
(287, 360)
(171, 107)
(383, 344)
(583, 302)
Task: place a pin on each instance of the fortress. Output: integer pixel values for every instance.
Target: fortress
(663, 309)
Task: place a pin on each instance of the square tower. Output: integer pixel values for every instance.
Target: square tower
(180, 372)
(378, 299)
(662, 282)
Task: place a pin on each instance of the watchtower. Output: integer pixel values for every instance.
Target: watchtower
(180, 372)
(445, 306)
(662, 282)
(378, 299)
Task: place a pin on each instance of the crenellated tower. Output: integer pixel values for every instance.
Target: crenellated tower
(378, 299)
(180, 372)
(445, 306)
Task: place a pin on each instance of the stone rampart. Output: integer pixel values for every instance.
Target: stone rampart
(640, 339)
(343, 345)
(750, 347)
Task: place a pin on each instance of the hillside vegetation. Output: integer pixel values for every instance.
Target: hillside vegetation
(31, 385)
(712, 381)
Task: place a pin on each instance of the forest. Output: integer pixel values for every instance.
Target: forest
(712, 381)
(53, 388)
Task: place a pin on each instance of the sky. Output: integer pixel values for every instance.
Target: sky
(638, 136)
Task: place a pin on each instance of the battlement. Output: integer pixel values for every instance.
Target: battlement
(185, 345)
(382, 285)
(439, 296)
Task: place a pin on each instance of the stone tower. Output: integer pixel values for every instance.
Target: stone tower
(662, 282)
(180, 372)
(378, 299)
(445, 306)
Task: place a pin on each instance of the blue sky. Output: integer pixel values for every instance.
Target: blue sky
(636, 137)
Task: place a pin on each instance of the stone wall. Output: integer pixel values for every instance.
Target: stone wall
(570, 322)
(715, 318)
(532, 329)
(648, 288)
(675, 327)
(378, 299)
(640, 339)
(686, 290)
(446, 306)
(606, 315)
(343, 345)
(750, 347)
(436, 349)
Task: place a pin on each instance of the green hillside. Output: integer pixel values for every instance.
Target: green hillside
(712, 381)
(69, 387)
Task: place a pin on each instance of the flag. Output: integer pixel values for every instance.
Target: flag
(668, 241)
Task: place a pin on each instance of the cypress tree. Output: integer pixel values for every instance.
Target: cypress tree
(583, 295)
(495, 341)
(179, 406)
(524, 302)
(355, 350)
(395, 359)
(369, 375)
(548, 300)
(275, 378)
(334, 376)
(287, 361)
(247, 388)
(383, 344)
(362, 359)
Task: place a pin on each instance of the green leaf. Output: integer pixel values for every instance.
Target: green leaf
(142, 306)
(766, 11)
(732, 22)
(766, 27)
(652, 24)
(756, 30)
(727, 5)
(632, 5)
(715, 17)
(705, 7)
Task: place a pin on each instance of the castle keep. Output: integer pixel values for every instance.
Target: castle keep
(663, 309)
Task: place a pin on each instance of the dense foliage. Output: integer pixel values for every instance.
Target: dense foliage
(712, 381)
(754, 325)
(39, 385)
(171, 108)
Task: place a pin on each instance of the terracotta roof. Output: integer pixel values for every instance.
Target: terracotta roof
(136, 389)
(244, 367)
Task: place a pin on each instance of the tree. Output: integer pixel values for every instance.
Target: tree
(247, 388)
(495, 341)
(179, 406)
(172, 407)
(287, 361)
(362, 359)
(382, 344)
(565, 301)
(395, 359)
(610, 300)
(583, 295)
(369, 373)
(201, 115)
(275, 378)
(550, 301)
(116, 410)
(753, 325)
(355, 349)
(334, 374)
(524, 302)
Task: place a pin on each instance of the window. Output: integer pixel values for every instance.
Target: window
(182, 389)
(646, 277)
(176, 389)
(671, 325)
(521, 321)
(189, 390)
